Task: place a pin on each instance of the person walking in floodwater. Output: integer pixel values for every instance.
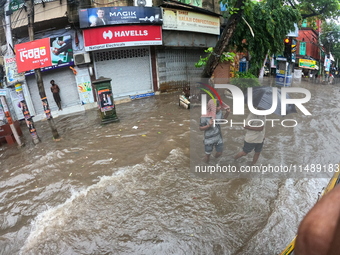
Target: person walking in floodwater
(55, 91)
(254, 137)
(212, 133)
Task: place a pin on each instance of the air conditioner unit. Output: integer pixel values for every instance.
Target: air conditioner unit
(143, 3)
(81, 58)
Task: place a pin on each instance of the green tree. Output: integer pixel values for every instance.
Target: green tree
(330, 38)
(316, 9)
(236, 13)
(270, 22)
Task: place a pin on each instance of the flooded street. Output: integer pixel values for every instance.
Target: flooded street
(127, 187)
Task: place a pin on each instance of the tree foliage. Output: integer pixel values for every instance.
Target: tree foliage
(225, 56)
(330, 38)
(271, 22)
(227, 33)
(320, 9)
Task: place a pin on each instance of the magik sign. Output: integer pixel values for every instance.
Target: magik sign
(33, 55)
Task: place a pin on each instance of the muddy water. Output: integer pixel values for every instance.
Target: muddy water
(118, 189)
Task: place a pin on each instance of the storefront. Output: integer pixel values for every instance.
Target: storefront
(55, 59)
(65, 79)
(124, 53)
(186, 34)
(120, 58)
(129, 69)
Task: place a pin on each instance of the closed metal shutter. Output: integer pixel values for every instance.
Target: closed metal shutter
(176, 67)
(66, 82)
(129, 69)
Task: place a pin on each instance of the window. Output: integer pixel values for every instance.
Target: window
(304, 23)
(302, 48)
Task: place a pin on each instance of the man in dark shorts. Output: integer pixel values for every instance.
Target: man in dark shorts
(255, 126)
(55, 91)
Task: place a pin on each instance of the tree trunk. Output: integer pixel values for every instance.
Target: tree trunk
(223, 41)
(40, 83)
(43, 97)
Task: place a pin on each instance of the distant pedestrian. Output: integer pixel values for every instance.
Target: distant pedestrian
(212, 133)
(311, 77)
(55, 91)
(316, 78)
(254, 138)
(331, 79)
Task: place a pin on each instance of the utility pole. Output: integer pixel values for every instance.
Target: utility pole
(38, 77)
(23, 105)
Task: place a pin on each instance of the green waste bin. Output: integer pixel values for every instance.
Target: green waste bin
(105, 100)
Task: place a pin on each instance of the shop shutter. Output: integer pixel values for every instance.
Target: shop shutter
(176, 67)
(129, 69)
(68, 89)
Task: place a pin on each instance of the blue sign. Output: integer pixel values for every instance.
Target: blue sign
(43, 69)
(280, 78)
(142, 95)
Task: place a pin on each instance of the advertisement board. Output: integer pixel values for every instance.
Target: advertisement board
(46, 54)
(61, 50)
(121, 36)
(84, 86)
(308, 64)
(106, 16)
(33, 55)
(190, 21)
(11, 71)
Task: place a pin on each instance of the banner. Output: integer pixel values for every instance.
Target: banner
(84, 86)
(308, 64)
(106, 16)
(59, 52)
(33, 55)
(11, 71)
(190, 21)
(121, 36)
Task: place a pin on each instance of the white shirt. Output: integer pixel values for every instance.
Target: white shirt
(253, 136)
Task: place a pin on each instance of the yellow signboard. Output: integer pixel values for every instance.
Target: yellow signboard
(308, 64)
(190, 21)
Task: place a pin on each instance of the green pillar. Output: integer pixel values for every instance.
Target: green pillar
(105, 100)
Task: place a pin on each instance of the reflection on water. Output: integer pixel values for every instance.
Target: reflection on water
(116, 189)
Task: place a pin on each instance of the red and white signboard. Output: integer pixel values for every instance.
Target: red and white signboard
(121, 36)
(33, 55)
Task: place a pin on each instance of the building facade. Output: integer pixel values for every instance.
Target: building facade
(143, 46)
(309, 53)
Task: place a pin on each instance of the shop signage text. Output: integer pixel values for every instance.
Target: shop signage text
(121, 15)
(121, 36)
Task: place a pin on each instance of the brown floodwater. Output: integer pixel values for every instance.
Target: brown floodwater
(127, 187)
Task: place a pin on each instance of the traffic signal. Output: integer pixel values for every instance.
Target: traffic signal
(293, 48)
(288, 49)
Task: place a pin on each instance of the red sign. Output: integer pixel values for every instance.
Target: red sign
(33, 55)
(121, 36)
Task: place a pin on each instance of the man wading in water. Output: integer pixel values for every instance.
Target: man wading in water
(55, 91)
(212, 133)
